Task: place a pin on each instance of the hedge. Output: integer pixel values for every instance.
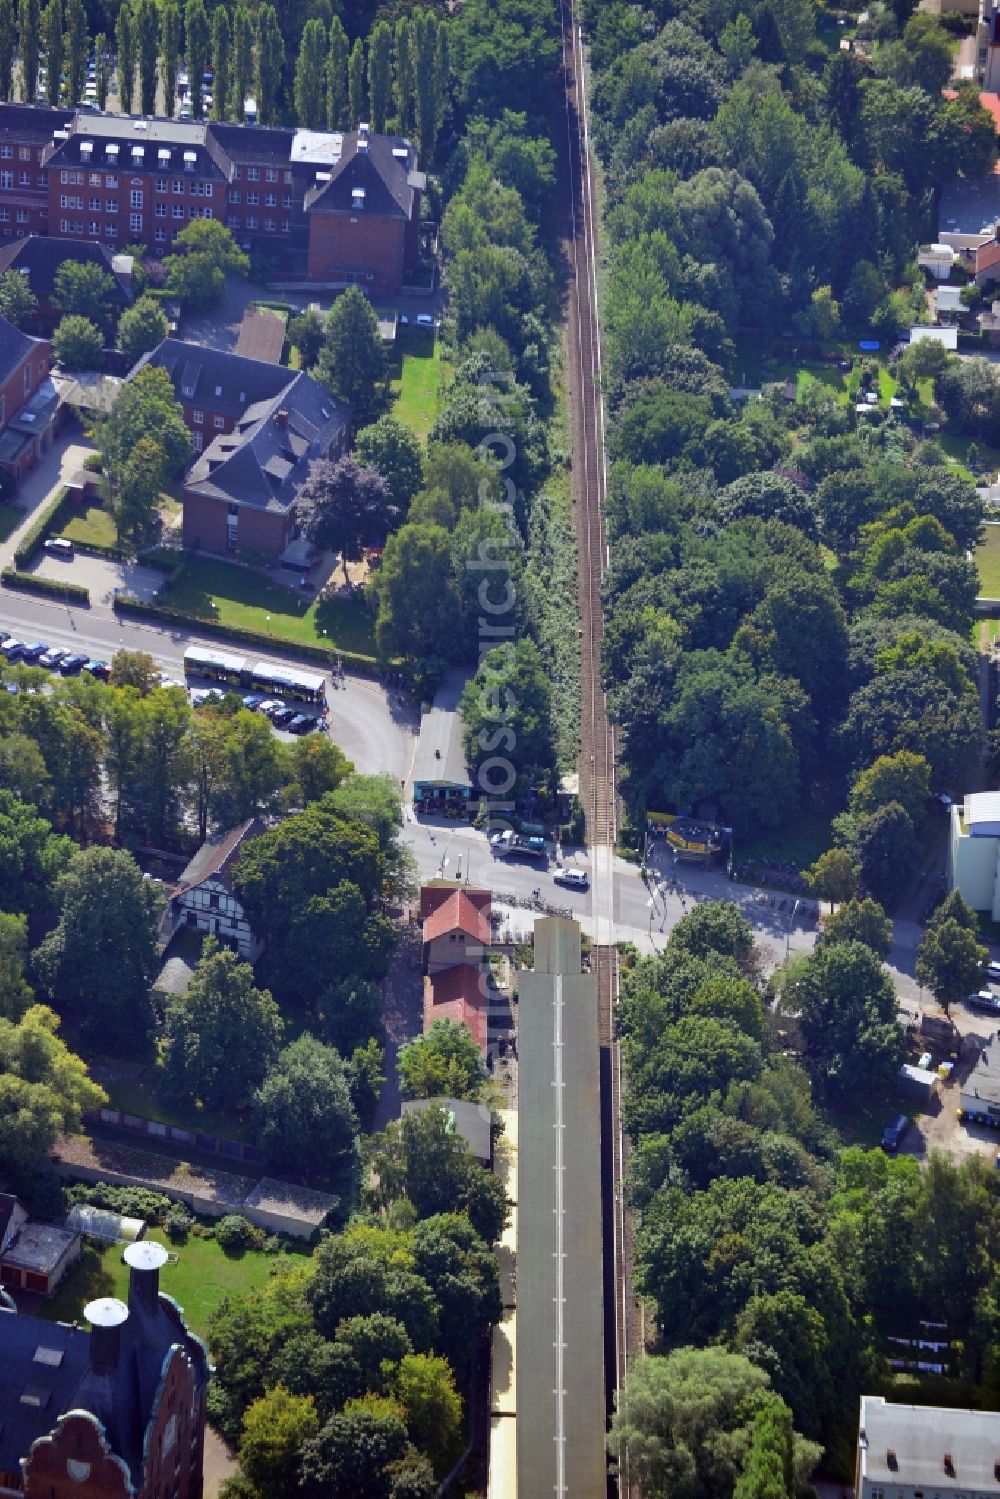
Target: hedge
(323, 655)
(97, 549)
(49, 516)
(71, 593)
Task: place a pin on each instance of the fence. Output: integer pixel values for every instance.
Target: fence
(153, 1129)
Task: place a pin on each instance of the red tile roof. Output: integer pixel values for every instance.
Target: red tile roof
(432, 896)
(458, 914)
(460, 995)
(987, 256)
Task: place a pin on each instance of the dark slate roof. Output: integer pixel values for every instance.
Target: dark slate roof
(262, 335)
(32, 122)
(217, 854)
(298, 425)
(173, 138)
(243, 143)
(62, 1379)
(7, 1206)
(15, 346)
(215, 379)
(388, 181)
(41, 256)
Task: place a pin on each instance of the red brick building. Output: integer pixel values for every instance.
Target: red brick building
(456, 940)
(114, 1413)
(29, 404)
(302, 196)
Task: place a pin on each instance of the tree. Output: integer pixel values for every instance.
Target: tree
(380, 75)
(425, 1388)
(354, 1453)
(136, 501)
(305, 333)
(125, 36)
(343, 507)
(197, 38)
(44, 1089)
(170, 49)
(270, 63)
(29, 40)
(443, 1062)
(859, 921)
(903, 777)
(221, 81)
(352, 360)
(886, 846)
(140, 328)
(243, 43)
(77, 344)
(950, 961)
(134, 669)
(428, 84)
(82, 289)
(716, 928)
(221, 1036)
(108, 917)
(208, 254)
(421, 1158)
(15, 992)
(32, 857)
(336, 69)
(303, 1111)
(419, 610)
(274, 1430)
(77, 41)
(675, 1411)
(310, 76)
(955, 907)
(392, 449)
(834, 876)
(507, 718)
(846, 1006)
(17, 300)
(403, 70)
(317, 767)
(52, 44)
(102, 70)
(356, 84)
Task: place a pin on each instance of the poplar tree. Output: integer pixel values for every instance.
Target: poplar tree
(196, 37)
(404, 73)
(125, 37)
(356, 85)
(170, 51)
(270, 62)
(426, 90)
(52, 41)
(147, 44)
(8, 41)
(77, 42)
(380, 75)
(102, 70)
(310, 77)
(28, 27)
(242, 61)
(336, 79)
(221, 42)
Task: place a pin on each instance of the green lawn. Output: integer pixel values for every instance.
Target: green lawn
(417, 387)
(200, 1280)
(11, 516)
(988, 562)
(237, 596)
(93, 525)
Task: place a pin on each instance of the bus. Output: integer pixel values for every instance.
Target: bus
(217, 666)
(281, 681)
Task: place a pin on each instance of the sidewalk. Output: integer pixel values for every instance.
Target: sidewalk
(60, 463)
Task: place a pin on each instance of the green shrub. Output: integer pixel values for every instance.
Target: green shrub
(235, 1232)
(92, 463)
(72, 593)
(178, 1223)
(130, 1202)
(49, 517)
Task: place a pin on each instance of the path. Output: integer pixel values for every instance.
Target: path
(59, 464)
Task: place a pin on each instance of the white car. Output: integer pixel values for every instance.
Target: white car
(61, 545)
(424, 320)
(573, 879)
(270, 706)
(202, 695)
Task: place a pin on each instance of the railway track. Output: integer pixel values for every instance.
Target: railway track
(597, 754)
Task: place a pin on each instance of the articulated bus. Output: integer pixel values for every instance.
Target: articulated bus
(238, 672)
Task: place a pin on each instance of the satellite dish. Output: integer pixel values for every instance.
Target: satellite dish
(108, 1311)
(146, 1255)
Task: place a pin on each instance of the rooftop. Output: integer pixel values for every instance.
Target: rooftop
(458, 914)
(262, 336)
(461, 995)
(982, 1086)
(15, 347)
(289, 1201)
(40, 257)
(982, 813)
(926, 1445)
(39, 1247)
(379, 168)
(216, 379)
(472, 1121)
(217, 854)
(969, 205)
(440, 759)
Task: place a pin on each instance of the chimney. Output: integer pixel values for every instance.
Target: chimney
(106, 1317)
(145, 1261)
(281, 418)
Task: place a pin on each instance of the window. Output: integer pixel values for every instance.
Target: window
(237, 173)
(94, 179)
(42, 179)
(159, 234)
(24, 153)
(160, 210)
(94, 205)
(288, 179)
(111, 206)
(286, 226)
(253, 199)
(286, 201)
(206, 213)
(111, 180)
(27, 379)
(269, 225)
(178, 210)
(235, 195)
(135, 198)
(270, 200)
(197, 441)
(251, 221)
(233, 221)
(24, 179)
(135, 223)
(41, 369)
(111, 231)
(64, 226)
(161, 184)
(7, 152)
(93, 228)
(271, 174)
(68, 200)
(253, 174)
(22, 215)
(178, 185)
(6, 179)
(192, 210)
(198, 418)
(219, 423)
(5, 215)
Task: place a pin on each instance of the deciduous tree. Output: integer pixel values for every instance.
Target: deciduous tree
(270, 63)
(44, 1089)
(310, 76)
(444, 1062)
(170, 50)
(197, 40)
(304, 1116)
(949, 961)
(147, 41)
(77, 344)
(221, 47)
(140, 328)
(380, 75)
(28, 45)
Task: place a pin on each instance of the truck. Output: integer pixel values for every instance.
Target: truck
(509, 845)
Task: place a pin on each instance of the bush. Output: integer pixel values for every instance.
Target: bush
(130, 1202)
(92, 463)
(49, 517)
(48, 1197)
(235, 1232)
(55, 588)
(178, 1223)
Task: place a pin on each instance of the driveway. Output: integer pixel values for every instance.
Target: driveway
(219, 327)
(101, 575)
(59, 464)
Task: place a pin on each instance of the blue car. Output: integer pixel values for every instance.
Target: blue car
(253, 701)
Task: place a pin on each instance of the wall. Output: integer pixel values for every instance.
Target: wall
(12, 392)
(972, 867)
(452, 949)
(343, 242)
(205, 526)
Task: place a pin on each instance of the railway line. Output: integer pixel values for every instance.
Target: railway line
(597, 754)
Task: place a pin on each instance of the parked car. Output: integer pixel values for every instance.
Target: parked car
(61, 546)
(424, 320)
(52, 658)
(893, 1133)
(254, 701)
(11, 648)
(202, 695)
(283, 717)
(984, 1000)
(35, 651)
(573, 879)
(301, 723)
(102, 670)
(270, 706)
(70, 665)
(992, 971)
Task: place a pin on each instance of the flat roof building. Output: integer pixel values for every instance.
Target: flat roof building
(440, 771)
(973, 864)
(979, 1098)
(908, 1449)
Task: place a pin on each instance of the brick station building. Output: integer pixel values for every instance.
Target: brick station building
(340, 207)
